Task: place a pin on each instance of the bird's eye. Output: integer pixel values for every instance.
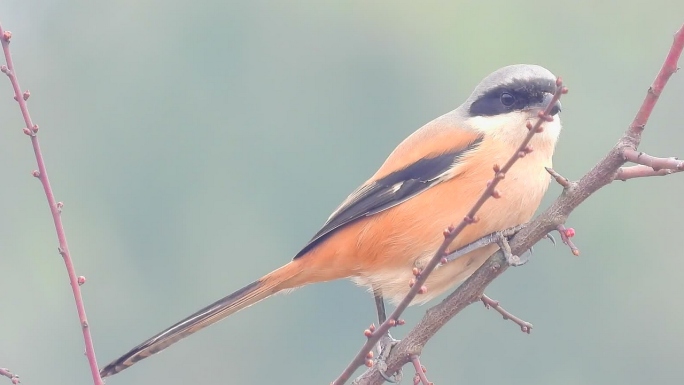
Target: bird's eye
(507, 99)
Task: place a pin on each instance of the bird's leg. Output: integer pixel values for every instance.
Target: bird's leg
(386, 342)
(380, 306)
(498, 238)
(482, 242)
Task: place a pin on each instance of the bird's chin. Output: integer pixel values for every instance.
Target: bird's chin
(534, 112)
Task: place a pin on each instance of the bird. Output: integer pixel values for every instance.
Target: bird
(394, 222)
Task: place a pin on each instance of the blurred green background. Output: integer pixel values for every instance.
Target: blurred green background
(198, 145)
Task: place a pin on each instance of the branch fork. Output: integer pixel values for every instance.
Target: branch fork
(647, 165)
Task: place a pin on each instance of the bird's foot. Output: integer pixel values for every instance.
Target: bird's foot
(384, 347)
(512, 260)
(496, 237)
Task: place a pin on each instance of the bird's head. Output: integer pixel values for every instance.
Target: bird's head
(503, 103)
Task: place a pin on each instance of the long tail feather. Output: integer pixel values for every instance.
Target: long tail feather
(248, 295)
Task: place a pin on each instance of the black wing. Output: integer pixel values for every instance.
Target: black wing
(389, 191)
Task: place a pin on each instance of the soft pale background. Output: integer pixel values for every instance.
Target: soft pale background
(198, 145)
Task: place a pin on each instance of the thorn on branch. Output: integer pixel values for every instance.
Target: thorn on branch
(561, 180)
(489, 303)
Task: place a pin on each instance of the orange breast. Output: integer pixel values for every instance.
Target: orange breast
(381, 250)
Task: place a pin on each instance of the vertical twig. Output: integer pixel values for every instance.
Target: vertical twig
(666, 71)
(55, 207)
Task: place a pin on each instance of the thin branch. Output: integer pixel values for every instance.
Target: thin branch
(472, 289)
(420, 376)
(566, 234)
(451, 233)
(13, 377)
(31, 130)
(653, 162)
(641, 171)
(525, 326)
(666, 71)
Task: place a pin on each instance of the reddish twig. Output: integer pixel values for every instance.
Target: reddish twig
(450, 234)
(566, 234)
(641, 171)
(471, 290)
(652, 161)
(525, 326)
(55, 207)
(420, 376)
(13, 377)
(668, 68)
(647, 165)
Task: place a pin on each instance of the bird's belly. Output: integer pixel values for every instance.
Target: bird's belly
(414, 232)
